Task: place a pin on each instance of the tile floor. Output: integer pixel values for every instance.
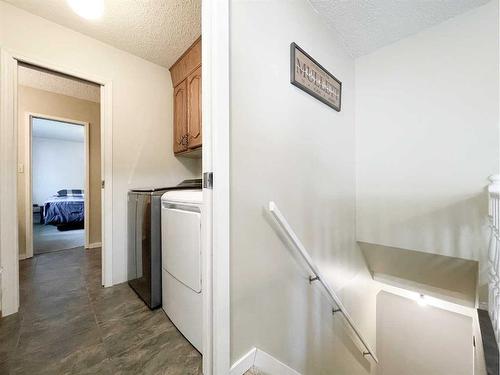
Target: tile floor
(69, 324)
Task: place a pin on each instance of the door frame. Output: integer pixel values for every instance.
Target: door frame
(216, 198)
(9, 246)
(28, 173)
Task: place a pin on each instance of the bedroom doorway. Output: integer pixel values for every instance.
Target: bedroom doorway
(59, 180)
(59, 162)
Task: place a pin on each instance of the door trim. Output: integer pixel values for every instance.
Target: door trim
(28, 172)
(9, 246)
(215, 236)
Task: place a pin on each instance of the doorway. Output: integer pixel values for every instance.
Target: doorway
(59, 175)
(11, 131)
(58, 161)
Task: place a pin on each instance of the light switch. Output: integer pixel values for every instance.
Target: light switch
(20, 168)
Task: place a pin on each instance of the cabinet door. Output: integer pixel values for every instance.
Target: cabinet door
(180, 117)
(194, 108)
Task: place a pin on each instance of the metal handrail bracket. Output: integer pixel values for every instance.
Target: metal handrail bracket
(273, 208)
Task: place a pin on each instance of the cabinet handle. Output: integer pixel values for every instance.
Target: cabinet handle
(181, 140)
(185, 140)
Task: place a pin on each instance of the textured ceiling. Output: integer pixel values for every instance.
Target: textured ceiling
(161, 30)
(156, 30)
(44, 80)
(43, 128)
(365, 25)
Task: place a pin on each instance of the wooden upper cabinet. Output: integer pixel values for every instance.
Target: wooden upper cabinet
(180, 118)
(186, 80)
(194, 108)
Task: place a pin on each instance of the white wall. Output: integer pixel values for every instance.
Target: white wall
(288, 147)
(427, 137)
(421, 340)
(57, 164)
(142, 108)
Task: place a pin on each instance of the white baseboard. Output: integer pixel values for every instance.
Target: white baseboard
(93, 245)
(270, 365)
(262, 361)
(244, 364)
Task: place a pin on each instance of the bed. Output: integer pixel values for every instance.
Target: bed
(65, 209)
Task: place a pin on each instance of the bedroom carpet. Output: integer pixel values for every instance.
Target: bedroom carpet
(46, 238)
(69, 324)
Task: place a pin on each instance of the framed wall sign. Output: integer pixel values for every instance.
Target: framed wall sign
(308, 75)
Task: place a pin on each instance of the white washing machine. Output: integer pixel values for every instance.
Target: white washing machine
(182, 291)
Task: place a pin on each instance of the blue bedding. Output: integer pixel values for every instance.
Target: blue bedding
(64, 210)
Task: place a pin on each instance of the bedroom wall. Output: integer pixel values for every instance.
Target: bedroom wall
(57, 105)
(57, 164)
(142, 109)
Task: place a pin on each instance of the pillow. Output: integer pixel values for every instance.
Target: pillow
(70, 193)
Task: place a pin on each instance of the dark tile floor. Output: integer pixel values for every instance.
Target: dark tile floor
(69, 324)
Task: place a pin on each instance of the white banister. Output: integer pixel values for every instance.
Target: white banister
(494, 254)
(339, 307)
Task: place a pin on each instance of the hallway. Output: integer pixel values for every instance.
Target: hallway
(69, 324)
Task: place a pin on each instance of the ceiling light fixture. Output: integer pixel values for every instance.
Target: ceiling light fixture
(89, 9)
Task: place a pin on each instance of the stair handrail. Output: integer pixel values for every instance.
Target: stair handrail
(340, 308)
